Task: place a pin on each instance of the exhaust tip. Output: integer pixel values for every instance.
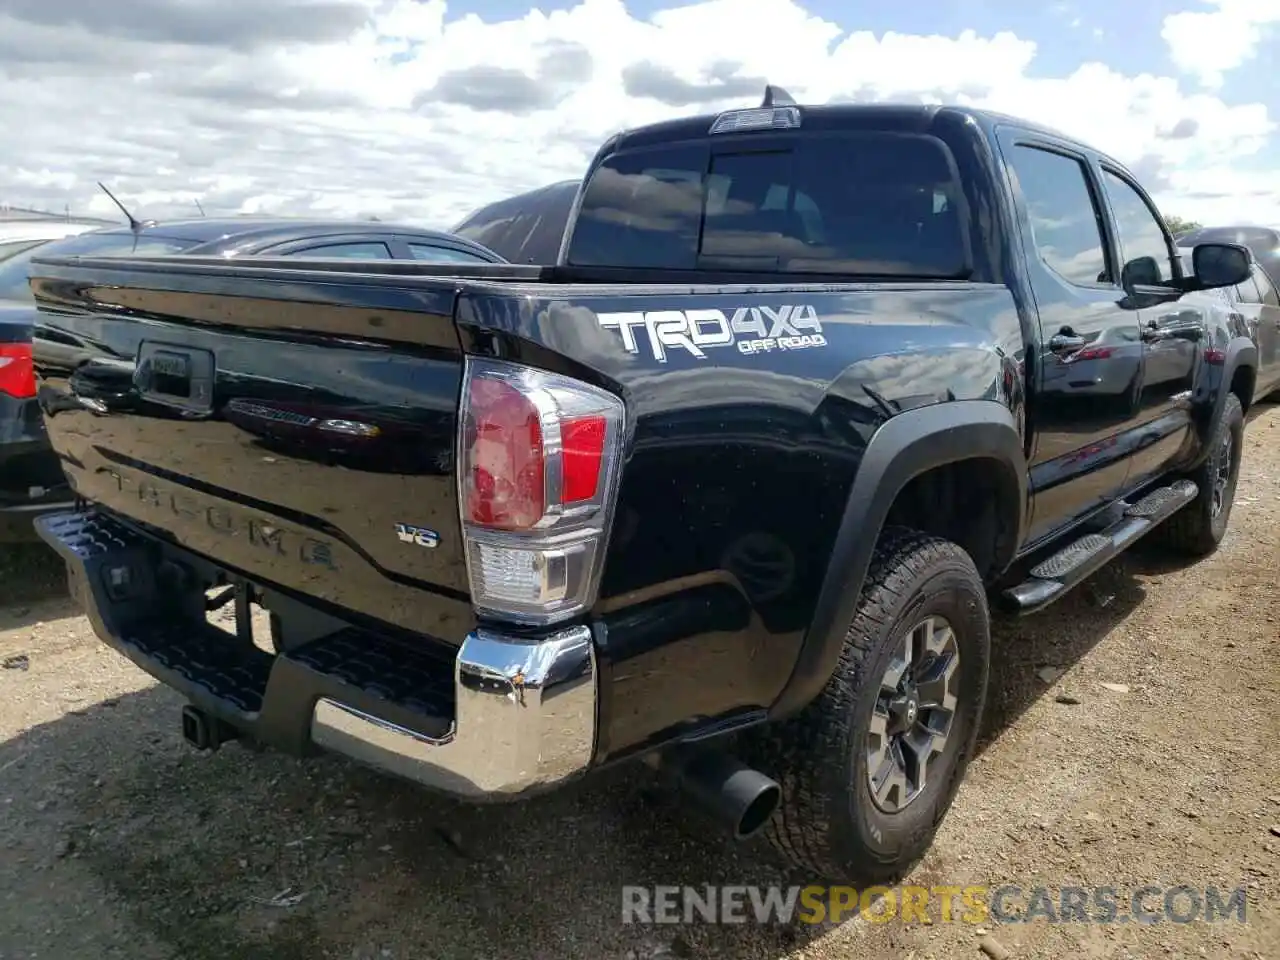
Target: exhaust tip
(742, 799)
(759, 812)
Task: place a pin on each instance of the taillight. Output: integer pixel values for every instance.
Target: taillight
(1092, 353)
(17, 376)
(538, 464)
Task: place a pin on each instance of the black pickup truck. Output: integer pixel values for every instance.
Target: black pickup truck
(732, 487)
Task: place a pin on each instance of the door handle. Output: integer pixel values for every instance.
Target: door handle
(1153, 333)
(1065, 343)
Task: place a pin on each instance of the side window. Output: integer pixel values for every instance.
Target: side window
(1064, 217)
(1247, 291)
(345, 251)
(1144, 249)
(425, 251)
(1266, 289)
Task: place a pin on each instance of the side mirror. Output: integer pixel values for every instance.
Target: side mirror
(1220, 264)
(1140, 272)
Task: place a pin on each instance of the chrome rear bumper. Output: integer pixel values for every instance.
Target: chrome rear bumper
(501, 717)
(525, 720)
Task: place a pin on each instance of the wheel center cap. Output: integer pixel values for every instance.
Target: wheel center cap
(903, 712)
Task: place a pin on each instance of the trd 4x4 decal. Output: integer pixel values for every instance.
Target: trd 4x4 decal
(752, 329)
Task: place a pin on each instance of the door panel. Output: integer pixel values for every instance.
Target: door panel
(1089, 359)
(1170, 331)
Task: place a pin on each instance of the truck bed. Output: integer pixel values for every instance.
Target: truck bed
(322, 441)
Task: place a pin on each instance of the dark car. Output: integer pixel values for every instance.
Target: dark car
(526, 228)
(31, 479)
(1258, 301)
(1257, 298)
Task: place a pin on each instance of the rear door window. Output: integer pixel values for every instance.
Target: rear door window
(432, 253)
(1247, 291)
(345, 251)
(869, 204)
(1065, 222)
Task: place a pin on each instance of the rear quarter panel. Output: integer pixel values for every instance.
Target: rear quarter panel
(740, 463)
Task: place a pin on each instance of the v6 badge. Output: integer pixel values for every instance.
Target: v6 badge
(418, 536)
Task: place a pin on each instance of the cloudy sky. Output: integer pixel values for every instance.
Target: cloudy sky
(421, 110)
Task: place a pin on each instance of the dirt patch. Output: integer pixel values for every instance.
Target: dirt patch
(1130, 740)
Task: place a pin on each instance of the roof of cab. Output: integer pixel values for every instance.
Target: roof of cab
(907, 117)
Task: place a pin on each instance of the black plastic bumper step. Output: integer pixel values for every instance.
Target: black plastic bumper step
(209, 658)
(1055, 575)
(112, 570)
(416, 678)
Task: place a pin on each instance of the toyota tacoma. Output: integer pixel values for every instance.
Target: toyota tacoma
(732, 487)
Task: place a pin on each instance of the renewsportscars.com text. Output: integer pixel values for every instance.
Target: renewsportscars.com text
(937, 904)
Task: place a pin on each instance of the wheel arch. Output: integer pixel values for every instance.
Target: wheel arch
(908, 450)
(1239, 373)
(1234, 373)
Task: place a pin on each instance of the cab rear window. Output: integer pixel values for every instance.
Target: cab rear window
(866, 204)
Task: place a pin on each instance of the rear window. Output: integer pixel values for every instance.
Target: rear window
(871, 204)
(14, 270)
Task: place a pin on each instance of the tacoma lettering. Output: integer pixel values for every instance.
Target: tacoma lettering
(227, 521)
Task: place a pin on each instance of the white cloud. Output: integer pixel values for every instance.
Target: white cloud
(390, 107)
(1209, 43)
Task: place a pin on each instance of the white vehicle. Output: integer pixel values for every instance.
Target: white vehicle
(19, 235)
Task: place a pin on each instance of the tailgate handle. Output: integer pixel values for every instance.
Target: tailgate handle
(174, 376)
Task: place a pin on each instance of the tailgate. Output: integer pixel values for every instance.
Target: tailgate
(295, 430)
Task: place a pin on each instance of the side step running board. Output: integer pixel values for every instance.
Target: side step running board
(1051, 578)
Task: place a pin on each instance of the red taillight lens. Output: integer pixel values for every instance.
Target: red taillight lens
(1092, 353)
(583, 441)
(506, 486)
(538, 464)
(17, 375)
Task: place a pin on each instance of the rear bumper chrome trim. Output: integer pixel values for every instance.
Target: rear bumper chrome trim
(525, 721)
(497, 718)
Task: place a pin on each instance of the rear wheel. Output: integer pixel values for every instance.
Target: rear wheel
(1199, 527)
(870, 768)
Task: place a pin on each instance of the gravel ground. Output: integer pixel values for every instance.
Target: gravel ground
(116, 840)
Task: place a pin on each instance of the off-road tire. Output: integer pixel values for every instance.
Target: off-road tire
(826, 822)
(1195, 530)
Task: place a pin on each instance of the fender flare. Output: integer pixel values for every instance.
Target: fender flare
(904, 447)
(1240, 352)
